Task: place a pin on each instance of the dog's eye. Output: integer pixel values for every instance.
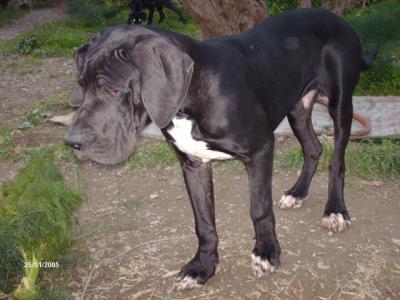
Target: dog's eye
(113, 93)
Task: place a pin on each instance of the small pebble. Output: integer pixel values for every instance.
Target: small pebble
(153, 196)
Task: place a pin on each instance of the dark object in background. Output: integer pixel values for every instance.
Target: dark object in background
(138, 15)
(3, 3)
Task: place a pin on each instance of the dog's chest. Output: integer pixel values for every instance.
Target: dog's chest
(184, 141)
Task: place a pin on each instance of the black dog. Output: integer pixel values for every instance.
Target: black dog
(220, 99)
(138, 6)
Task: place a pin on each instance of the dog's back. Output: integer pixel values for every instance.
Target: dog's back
(296, 52)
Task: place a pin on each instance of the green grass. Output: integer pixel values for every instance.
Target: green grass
(151, 154)
(54, 293)
(23, 66)
(58, 38)
(39, 112)
(6, 143)
(35, 218)
(61, 38)
(7, 15)
(367, 159)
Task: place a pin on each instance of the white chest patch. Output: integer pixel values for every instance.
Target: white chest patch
(182, 134)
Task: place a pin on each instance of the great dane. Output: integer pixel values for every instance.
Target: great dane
(222, 99)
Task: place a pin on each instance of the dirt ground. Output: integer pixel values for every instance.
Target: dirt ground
(33, 19)
(135, 229)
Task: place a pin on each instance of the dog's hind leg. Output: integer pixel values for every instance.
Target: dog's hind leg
(345, 76)
(336, 217)
(300, 122)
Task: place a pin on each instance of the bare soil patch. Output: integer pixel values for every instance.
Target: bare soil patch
(139, 231)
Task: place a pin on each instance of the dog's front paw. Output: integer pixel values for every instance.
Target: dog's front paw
(261, 267)
(335, 222)
(288, 201)
(196, 273)
(186, 283)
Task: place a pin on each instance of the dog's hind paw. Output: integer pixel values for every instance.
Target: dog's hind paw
(261, 267)
(186, 283)
(288, 201)
(335, 222)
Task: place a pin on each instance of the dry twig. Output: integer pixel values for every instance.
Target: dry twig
(87, 282)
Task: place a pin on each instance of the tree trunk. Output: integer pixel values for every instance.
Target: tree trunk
(341, 6)
(306, 3)
(338, 6)
(327, 4)
(221, 17)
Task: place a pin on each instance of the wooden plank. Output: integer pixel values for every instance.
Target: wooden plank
(383, 113)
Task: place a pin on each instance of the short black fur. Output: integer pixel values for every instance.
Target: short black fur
(236, 90)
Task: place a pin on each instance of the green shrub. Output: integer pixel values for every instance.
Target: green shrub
(275, 7)
(29, 43)
(378, 26)
(96, 12)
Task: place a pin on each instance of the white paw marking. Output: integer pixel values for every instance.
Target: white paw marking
(308, 98)
(335, 223)
(182, 134)
(187, 283)
(288, 201)
(261, 267)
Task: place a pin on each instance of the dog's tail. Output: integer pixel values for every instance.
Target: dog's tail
(367, 60)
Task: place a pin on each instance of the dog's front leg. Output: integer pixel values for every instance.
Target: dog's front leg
(265, 256)
(198, 179)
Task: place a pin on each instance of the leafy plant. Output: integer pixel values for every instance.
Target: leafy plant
(29, 43)
(378, 27)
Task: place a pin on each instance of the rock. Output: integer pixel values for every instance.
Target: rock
(322, 266)
(153, 196)
(396, 241)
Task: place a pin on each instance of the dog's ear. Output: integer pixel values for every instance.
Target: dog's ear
(166, 72)
(77, 97)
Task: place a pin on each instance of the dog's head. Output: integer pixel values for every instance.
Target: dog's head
(139, 17)
(127, 76)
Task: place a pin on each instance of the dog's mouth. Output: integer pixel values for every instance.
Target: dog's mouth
(79, 152)
(99, 152)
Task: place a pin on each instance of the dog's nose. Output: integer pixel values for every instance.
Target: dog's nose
(74, 139)
(74, 143)
(76, 146)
